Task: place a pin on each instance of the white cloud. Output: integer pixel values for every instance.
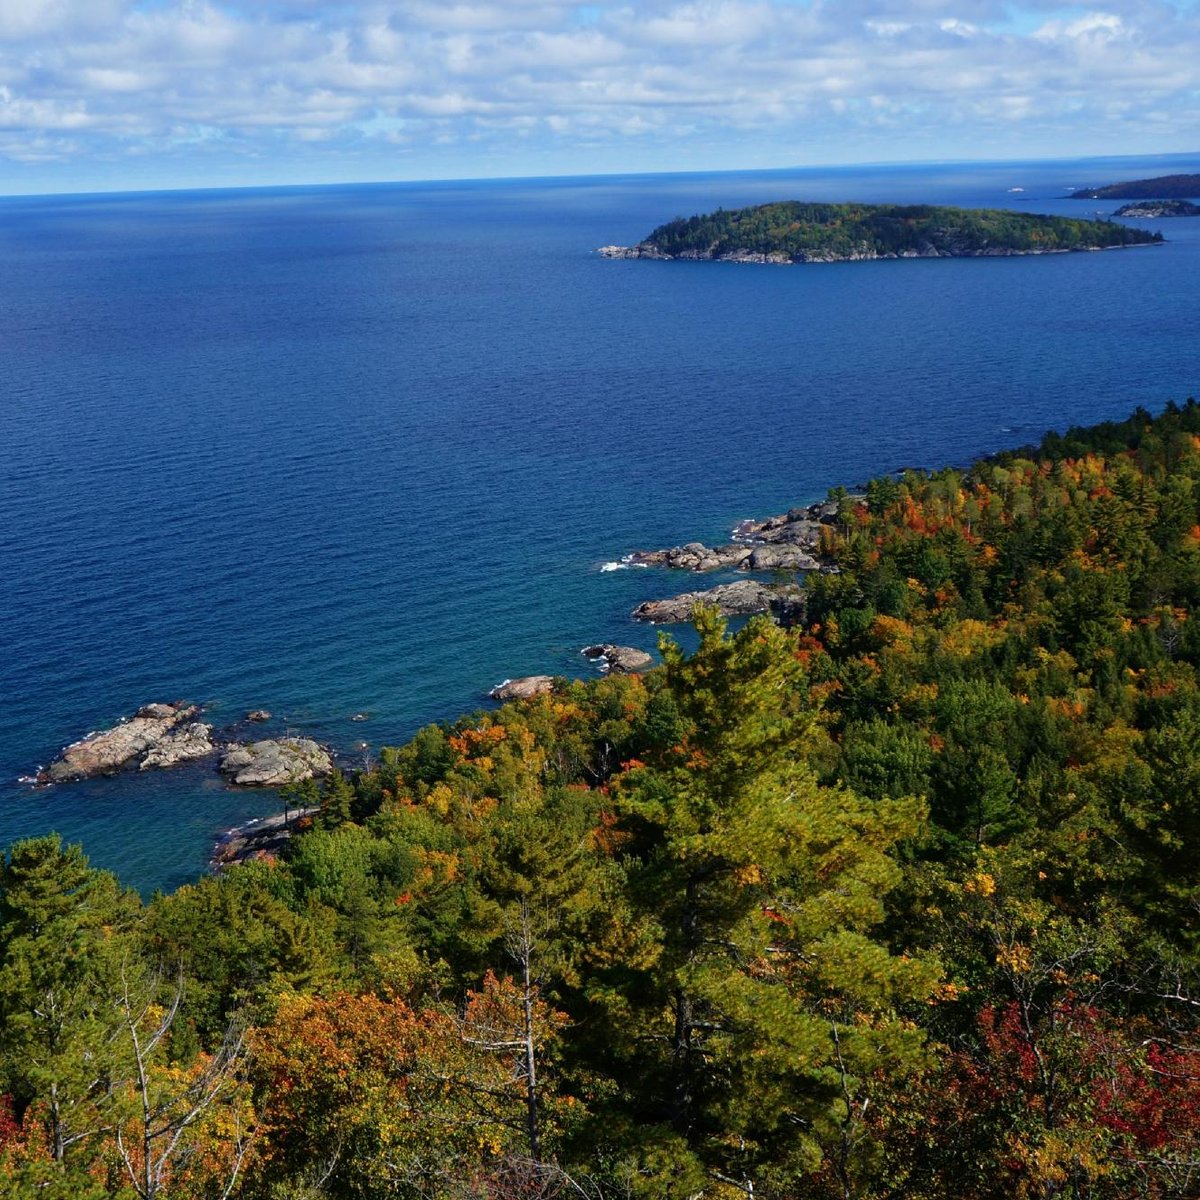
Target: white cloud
(22, 19)
(1102, 26)
(143, 76)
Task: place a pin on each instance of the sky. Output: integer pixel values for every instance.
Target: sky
(125, 94)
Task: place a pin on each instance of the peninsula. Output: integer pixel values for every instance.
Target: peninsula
(1154, 209)
(794, 231)
(1162, 187)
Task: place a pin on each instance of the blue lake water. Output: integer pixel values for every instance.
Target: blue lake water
(364, 449)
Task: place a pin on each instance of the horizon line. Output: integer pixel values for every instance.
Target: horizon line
(467, 179)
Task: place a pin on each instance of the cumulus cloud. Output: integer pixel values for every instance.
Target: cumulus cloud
(84, 80)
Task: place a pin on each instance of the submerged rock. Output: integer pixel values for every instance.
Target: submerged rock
(110, 750)
(275, 762)
(522, 688)
(621, 660)
(258, 714)
(743, 598)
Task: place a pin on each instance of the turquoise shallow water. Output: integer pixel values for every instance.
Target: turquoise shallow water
(348, 449)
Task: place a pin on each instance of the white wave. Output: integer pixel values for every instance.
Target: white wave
(614, 566)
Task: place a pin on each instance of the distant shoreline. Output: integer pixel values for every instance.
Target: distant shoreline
(758, 258)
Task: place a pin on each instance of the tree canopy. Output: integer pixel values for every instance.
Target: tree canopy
(901, 902)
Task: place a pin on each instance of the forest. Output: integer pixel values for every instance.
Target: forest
(798, 230)
(899, 902)
(1162, 187)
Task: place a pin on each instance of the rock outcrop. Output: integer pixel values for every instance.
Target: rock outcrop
(743, 598)
(275, 762)
(790, 541)
(781, 556)
(262, 838)
(110, 750)
(183, 744)
(695, 556)
(642, 250)
(522, 688)
(258, 714)
(620, 660)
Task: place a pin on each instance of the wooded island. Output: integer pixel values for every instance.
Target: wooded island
(1162, 187)
(794, 232)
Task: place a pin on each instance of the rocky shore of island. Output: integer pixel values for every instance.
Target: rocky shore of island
(1157, 209)
(862, 254)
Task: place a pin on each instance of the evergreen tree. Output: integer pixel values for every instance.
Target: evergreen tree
(63, 943)
(761, 1009)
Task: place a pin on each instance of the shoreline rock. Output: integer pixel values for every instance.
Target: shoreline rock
(695, 556)
(522, 688)
(743, 254)
(275, 762)
(746, 597)
(111, 750)
(790, 541)
(259, 838)
(619, 660)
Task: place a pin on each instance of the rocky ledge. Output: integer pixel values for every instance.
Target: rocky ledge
(619, 660)
(149, 737)
(261, 838)
(642, 250)
(275, 762)
(182, 744)
(790, 541)
(522, 688)
(743, 598)
(696, 556)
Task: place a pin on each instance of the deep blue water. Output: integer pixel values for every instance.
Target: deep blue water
(364, 448)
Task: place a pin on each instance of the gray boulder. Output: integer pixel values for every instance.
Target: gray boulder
(620, 660)
(275, 762)
(780, 556)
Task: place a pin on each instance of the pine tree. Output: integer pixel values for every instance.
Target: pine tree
(764, 1010)
(62, 942)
